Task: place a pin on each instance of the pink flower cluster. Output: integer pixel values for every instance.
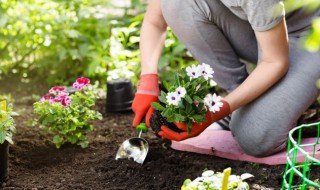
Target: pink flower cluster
(57, 94)
(81, 83)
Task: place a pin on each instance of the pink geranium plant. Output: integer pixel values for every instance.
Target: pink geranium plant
(66, 116)
(187, 98)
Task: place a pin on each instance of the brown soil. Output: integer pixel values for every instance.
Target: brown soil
(35, 163)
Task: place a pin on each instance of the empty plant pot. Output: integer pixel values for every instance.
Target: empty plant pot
(119, 95)
(4, 160)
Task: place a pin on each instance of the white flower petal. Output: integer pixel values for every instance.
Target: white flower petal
(193, 71)
(173, 98)
(181, 91)
(207, 173)
(246, 176)
(205, 70)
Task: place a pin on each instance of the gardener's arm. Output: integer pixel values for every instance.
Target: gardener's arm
(273, 66)
(153, 33)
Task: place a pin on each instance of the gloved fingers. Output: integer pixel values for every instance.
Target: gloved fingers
(171, 135)
(137, 119)
(148, 116)
(163, 135)
(181, 126)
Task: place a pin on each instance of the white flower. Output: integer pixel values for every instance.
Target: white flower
(243, 186)
(193, 71)
(181, 91)
(213, 102)
(173, 98)
(207, 173)
(205, 70)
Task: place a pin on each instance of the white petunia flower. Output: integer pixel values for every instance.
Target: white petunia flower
(193, 71)
(213, 102)
(205, 70)
(181, 91)
(173, 98)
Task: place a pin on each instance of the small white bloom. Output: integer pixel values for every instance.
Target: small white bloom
(205, 70)
(213, 102)
(193, 71)
(246, 176)
(233, 179)
(243, 186)
(207, 173)
(201, 187)
(181, 91)
(173, 98)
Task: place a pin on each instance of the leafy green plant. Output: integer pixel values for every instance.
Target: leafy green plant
(7, 127)
(64, 39)
(210, 180)
(67, 116)
(312, 41)
(187, 99)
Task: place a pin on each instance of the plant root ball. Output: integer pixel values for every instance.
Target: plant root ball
(157, 120)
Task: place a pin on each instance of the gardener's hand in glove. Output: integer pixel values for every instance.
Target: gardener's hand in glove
(147, 92)
(167, 133)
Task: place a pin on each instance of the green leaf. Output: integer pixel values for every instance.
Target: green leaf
(57, 139)
(166, 85)
(166, 112)
(197, 98)
(73, 139)
(177, 79)
(157, 106)
(188, 99)
(198, 117)
(189, 124)
(2, 136)
(83, 144)
(163, 98)
(178, 49)
(9, 139)
(188, 109)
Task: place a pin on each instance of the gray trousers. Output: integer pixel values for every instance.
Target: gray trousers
(215, 36)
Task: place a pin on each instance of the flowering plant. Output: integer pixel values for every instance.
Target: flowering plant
(187, 99)
(67, 116)
(213, 181)
(7, 127)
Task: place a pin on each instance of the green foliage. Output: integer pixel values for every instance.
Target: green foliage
(53, 39)
(191, 107)
(61, 40)
(69, 123)
(125, 55)
(312, 42)
(7, 127)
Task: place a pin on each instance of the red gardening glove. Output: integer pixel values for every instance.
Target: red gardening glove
(147, 92)
(167, 133)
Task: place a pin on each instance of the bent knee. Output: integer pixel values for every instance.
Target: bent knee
(255, 146)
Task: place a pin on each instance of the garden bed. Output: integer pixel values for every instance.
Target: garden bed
(35, 163)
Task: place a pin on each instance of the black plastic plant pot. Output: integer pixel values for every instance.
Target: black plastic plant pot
(157, 120)
(119, 95)
(4, 160)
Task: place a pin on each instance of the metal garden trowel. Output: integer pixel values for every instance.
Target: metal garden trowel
(136, 147)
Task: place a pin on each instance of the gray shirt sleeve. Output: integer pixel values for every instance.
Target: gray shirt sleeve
(263, 14)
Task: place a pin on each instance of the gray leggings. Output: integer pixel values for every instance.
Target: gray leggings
(215, 36)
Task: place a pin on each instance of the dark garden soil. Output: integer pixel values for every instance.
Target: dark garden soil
(35, 163)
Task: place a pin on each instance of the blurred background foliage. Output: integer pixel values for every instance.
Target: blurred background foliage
(53, 42)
